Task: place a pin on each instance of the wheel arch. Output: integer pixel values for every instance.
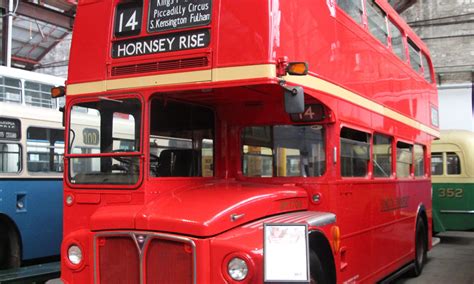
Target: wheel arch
(13, 232)
(421, 213)
(321, 246)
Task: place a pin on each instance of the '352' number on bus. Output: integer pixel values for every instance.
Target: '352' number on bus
(450, 193)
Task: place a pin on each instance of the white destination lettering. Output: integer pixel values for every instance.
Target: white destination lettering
(192, 41)
(145, 47)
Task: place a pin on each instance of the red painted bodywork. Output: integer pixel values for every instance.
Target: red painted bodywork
(249, 32)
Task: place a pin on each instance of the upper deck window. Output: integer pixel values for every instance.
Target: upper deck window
(377, 22)
(415, 60)
(10, 90)
(426, 68)
(397, 41)
(181, 140)
(353, 8)
(37, 94)
(283, 151)
(110, 127)
(355, 153)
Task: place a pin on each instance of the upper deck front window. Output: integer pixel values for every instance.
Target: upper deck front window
(104, 141)
(283, 151)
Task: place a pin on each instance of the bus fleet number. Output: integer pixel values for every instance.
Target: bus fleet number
(450, 193)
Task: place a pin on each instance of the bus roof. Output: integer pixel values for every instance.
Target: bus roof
(457, 141)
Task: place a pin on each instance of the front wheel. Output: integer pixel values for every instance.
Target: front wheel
(316, 269)
(421, 248)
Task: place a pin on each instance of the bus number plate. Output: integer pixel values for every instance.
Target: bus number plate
(175, 14)
(312, 113)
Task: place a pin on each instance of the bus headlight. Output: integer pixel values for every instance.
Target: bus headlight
(237, 269)
(74, 254)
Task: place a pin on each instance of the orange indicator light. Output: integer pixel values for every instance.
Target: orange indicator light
(57, 92)
(297, 68)
(336, 238)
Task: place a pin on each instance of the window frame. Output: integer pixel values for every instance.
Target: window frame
(413, 47)
(44, 173)
(20, 158)
(411, 165)
(442, 163)
(424, 159)
(379, 12)
(275, 175)
(392, 139)
(391, 23)
(68, 155)
(368, 143)
(362, 10)
(148, 144)
(459, 159)
(426, 59)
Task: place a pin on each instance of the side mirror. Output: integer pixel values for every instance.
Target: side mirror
(294, 99)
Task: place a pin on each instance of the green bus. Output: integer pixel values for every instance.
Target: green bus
(452, 170)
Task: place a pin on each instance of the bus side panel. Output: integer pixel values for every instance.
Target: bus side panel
(453, 196)
(39, 220)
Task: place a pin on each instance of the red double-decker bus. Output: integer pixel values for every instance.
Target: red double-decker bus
(215, 141)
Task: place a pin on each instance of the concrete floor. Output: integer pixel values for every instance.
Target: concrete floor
(451, 261)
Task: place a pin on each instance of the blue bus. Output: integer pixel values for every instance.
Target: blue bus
(31, 165)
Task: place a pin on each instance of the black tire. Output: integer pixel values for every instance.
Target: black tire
(3, 248)
(316, 269)
(9, 249)
(421, 248)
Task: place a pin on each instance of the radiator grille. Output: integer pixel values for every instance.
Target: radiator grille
(144, 258)
(118, 261)
(169, 262)
(157, 66)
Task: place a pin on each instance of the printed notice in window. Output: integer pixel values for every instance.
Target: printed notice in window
(285, 253)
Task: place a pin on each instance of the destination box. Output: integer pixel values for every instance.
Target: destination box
(161, 43)
(166, 15)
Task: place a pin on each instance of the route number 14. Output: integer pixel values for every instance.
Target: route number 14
(128, 20)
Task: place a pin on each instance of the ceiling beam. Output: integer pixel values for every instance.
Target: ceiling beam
(401, 5)
(42, 14)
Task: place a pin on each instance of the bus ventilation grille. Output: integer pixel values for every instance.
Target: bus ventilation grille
(158, 66)
(127, 257)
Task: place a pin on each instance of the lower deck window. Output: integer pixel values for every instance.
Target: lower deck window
(437, 164)
(44, 150)
(283, 151)
(10, 158)
(404, 159)
(355, 153)
(453, 164)
(181, 140)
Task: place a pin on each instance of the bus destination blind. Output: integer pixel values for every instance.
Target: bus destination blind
(175, 14)
(9, 129)
(161, 43)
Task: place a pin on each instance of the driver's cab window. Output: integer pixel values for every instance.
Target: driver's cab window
(109, 128)
(181, 140)
(123, 129)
